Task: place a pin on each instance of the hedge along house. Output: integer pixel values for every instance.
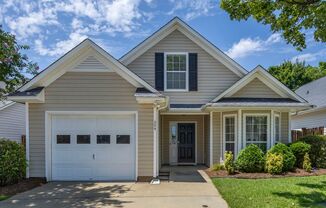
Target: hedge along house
(175, 99)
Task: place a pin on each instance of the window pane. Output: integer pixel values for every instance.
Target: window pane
(176, 80)
(229, 147)
(63, 139)
(277, 128)
(123, 139)
(176, 71)
(103, 139)
(83, 139)
(256, 131)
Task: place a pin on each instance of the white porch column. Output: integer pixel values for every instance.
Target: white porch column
(239, 137)
(211, 139)
(289, 129)
(27, 137)
(272, 133)
(155, 142)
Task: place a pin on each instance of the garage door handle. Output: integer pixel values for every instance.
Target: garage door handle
(93, 156)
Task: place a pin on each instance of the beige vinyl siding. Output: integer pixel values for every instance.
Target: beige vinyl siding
(217, 139)
(165, 136)
(285, 127)
(213, 76)
(81, 91)
(256, 89)
(309, 120)
(12, 122)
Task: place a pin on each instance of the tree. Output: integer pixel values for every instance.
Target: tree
(14, 65)
(292, 18)
(294, 75)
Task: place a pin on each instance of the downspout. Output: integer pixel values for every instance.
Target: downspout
(157, 108)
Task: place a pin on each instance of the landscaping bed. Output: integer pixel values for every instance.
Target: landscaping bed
(22, 186)
(296, 173)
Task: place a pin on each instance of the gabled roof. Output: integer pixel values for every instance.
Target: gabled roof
(260, 73)
(60, 66)
(177, 24)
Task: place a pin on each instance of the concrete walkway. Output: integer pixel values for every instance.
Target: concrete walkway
(77, 194)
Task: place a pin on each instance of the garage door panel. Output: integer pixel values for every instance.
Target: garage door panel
(103, 161)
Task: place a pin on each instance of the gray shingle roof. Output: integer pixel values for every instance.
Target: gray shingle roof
(186, 105)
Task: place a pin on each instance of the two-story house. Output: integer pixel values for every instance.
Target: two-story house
(174, 99)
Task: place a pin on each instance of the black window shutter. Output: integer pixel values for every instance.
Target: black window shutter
(159, 71)
(193, 72)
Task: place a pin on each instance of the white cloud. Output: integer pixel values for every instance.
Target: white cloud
(249, 46)
(60, 47)
(194, 8)
(309, 57)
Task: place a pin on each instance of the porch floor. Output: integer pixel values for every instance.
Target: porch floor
(185, 173)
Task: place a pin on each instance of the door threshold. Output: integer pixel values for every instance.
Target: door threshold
(186, 164)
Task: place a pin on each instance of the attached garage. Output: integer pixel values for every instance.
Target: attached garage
(92, 147)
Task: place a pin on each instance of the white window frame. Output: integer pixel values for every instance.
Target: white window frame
(245, 115)
(279, 128)
(235, 133)
(165, 72)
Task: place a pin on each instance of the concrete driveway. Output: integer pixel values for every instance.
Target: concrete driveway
(80, 194)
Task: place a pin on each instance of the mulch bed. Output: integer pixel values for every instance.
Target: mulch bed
(296, 173)
(21, 186)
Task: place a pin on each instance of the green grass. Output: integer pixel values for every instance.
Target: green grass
(3, 197)
(275, 192)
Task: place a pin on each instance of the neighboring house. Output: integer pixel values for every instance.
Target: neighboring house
(12, 120)
(175, 99)
(314, 93)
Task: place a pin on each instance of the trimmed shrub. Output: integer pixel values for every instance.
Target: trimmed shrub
(251, 159)
(229, 163)
(288, 156)
(217, 167)
(274, 163)
(318, 150)
(12, 162)
(306, 163)
(299, 150)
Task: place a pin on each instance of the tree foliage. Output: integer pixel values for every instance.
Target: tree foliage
(292, 18)
(14, 65)
(294, 75)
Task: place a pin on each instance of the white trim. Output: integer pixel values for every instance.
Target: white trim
(279, 127)
(184, 113)
(155, 114)
(86, 45)
(27, 138)
(260, 73)
(268, 127)
(149, 99)
(40, 98)
(240, 126)
(289, 128)
(178, 24)
(233, 115)
(221, 136)
(165, 72)
(273, 130)
(48, 134)
(204, 139)
(10, 103)
(211, 139)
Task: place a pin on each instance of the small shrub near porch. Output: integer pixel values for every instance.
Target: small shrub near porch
(12, 162)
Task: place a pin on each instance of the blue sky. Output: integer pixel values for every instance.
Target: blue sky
(51, 28)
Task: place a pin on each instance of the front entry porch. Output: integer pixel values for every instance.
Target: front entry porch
(189, 173)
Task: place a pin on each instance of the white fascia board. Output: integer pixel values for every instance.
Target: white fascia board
(260, 73)
(147, 100)
(49, 75)
(269, 104)
(178, 24)
(8, 104)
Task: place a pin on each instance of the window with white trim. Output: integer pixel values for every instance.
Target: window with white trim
(176, 71)
(256, 127)
(277, 128)
(230, 133)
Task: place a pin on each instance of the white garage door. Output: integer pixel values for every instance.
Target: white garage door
(100, 147)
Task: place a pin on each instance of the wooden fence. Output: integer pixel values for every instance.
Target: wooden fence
(297, 134)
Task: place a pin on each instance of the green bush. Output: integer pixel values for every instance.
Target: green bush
(299, 150)
(274, 163)
(217, 167)
(318, 150)
(12, 162)
(229, 163)
(306, 163)
(251, 159)
(287, 154)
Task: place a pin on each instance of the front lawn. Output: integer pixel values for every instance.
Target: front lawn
(274, 192)
(3, 197)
